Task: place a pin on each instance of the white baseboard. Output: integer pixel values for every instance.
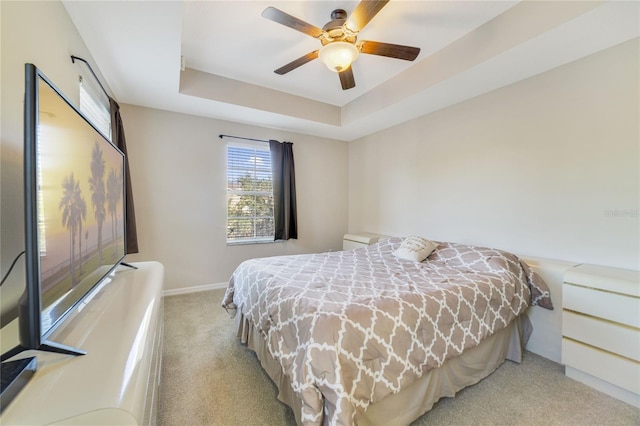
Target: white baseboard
(194, 289)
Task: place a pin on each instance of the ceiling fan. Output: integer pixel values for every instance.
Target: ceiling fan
(340, 47)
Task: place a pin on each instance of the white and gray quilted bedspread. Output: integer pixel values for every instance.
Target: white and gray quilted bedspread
(352, 327)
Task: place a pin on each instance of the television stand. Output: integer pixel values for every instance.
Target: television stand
(117, 381)
(14, 376)
(45, 346)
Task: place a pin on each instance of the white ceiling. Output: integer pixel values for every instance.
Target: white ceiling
(230, 52)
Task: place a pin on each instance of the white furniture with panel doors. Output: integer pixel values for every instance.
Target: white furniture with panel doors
(601, 329)
(117, 381)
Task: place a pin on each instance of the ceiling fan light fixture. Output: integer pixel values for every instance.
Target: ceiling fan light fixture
(338, 55)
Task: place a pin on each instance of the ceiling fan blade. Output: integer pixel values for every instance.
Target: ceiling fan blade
(297, 63)
(364, 12)
(346, 79)
(396, 51)
(283, 18)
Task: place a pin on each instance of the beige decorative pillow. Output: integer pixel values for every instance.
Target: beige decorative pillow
(415, 248)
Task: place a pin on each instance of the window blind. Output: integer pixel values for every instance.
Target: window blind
(95, 106)
(249, 193)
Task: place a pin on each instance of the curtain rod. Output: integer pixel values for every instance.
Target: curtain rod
(73, 59)
(240, 137)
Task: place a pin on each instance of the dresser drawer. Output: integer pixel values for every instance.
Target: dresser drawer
(614, 369)
(597, 303)
(622, 281)
(620, 339)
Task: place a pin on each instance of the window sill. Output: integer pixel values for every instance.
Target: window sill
(247, 242)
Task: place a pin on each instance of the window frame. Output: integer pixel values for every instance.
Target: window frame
(255, 146)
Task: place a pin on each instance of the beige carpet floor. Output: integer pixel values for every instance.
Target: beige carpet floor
(209, 378)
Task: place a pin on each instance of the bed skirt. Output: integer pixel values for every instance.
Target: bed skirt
(416, 399)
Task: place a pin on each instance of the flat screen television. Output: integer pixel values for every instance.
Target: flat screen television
(74, 212)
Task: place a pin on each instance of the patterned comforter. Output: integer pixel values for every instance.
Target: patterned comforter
(352, 327)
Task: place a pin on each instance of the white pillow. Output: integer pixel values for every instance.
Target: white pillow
(415, 248)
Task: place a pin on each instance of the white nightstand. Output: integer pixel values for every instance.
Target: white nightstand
(361, 239)
(601, 329)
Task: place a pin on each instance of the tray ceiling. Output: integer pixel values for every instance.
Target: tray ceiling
(229, 52)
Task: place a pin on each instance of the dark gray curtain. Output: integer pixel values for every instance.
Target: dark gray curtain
(118, 139)
(284, 190)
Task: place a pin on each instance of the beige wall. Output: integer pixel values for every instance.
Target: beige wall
(546, 167)
(541, 167)
(43, 34)
(179, 183)
(177, 164)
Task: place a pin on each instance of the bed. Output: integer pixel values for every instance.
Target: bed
(371, 336)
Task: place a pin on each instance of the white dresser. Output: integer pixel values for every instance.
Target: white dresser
(117, 381)
(601, 329)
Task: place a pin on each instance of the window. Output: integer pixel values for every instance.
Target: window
(94, 104)
(42, 224)
(249, 193)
